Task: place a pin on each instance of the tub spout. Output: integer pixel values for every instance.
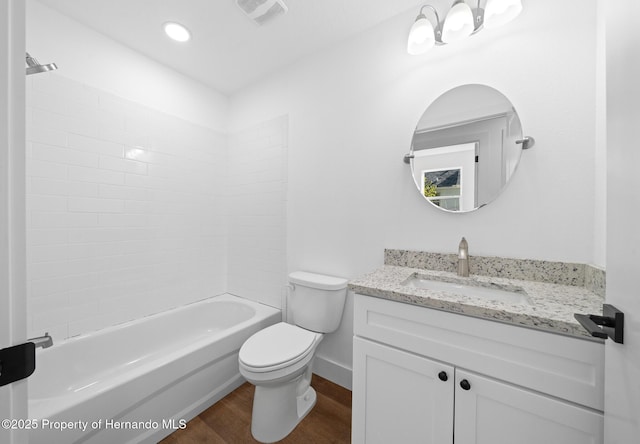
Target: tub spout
(463, 258)
(45, 341)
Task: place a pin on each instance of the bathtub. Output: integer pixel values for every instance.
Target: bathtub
(140, 381)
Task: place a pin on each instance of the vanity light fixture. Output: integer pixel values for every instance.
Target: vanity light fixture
(460, 22)
(176, 31)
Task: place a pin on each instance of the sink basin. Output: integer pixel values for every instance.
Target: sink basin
(489, 291)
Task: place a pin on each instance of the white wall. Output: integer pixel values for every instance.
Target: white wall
(126, 187)
(352, 113)
(86, 56)
(257, 191)
(600, 207)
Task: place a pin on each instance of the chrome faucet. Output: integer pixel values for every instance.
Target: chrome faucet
(463, 258)
(45, 341)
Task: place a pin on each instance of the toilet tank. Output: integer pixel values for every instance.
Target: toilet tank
(317, 301)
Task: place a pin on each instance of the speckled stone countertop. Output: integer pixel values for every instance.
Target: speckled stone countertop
(551, 305)
(562, 273)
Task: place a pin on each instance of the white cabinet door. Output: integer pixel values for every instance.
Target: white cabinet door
(492, 412)
(399, 397)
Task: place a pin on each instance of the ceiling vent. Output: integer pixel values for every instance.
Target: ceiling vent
(262, 11)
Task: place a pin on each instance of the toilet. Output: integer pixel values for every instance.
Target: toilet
(278, 359)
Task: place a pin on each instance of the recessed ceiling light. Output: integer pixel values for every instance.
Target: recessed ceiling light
(176, 31)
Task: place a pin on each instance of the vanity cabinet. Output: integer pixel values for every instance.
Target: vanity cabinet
(427, 376)
(398, 396)
(489, 411)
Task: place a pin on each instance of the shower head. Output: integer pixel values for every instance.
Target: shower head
(33, 67)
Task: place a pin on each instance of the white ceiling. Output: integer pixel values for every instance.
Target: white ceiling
(228, 51)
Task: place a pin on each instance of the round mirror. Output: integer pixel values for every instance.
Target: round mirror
(466, 147)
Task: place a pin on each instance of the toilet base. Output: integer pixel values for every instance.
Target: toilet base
(278, 409)
(306, 402)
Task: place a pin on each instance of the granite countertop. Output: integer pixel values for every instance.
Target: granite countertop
(551, 305)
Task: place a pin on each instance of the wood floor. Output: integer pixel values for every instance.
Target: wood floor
(229, 420)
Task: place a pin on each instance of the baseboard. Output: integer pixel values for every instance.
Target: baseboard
(334, 372)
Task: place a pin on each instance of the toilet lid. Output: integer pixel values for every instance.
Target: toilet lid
(277, 344)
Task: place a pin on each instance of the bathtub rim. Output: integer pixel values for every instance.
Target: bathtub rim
(44, 407)
(121, 325)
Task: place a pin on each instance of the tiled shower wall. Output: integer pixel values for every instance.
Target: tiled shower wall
(257, 193)
(126, 209)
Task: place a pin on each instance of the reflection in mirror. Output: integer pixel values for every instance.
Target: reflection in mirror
(465, 148)
(442, 188)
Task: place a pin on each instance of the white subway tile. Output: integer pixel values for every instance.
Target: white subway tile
(138, 181)
(50, 302)
(92, 323)
(41, 220)
(39, 185)
(83, 126)
(123, 220)
(46, 135)
(124, 289)
(88, 265)
(83, 189)
(47, 101)
(132, 302)
(124, 165)
(93, 250)
(129, 261)
(139, 154)
(80, 310)
(47, 270)
(138, 246)
(47, 253)
(124, 137)
(101, 117)
(51, 153)
(92, 205)
(90, 235)
(114, 239)
(84, 296)
(94, 145)
(47, 236)
(161, 172)
(47, 120)
(87, 280)
(47, 170)
(40, 288)
(125, 192)
(46, 203)
(96, 175)
(140, 207)
(162, 158)
(109, 277)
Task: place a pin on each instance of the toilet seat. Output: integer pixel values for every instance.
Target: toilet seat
(278, 346)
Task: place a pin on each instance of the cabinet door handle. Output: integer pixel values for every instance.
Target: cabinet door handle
(465, 384)
(443, 376)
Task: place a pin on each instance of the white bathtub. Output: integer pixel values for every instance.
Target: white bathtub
(139, 381)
